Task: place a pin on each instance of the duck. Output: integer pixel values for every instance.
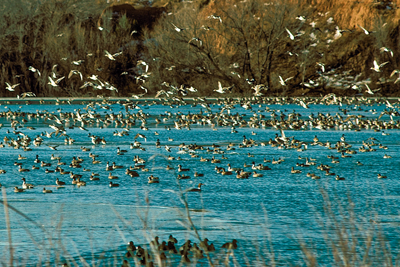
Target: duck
(80, 183)
(381, 176)
(20, 157)
(198, 189)
(46, 191)
(214, 160)
(295, 171)
(196, 174)
(242, 175)
(180, 177)
(180, 169)
(20, 169)
(111, 184)
(37, 160)
(25, 185)
(339, 178)
(255, 174)
(153, 180)
(58, 182)
(18, 190)
(94, 178)
(110, 176)
(230, 245)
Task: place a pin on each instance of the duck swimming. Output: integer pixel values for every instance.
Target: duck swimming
(198, 189)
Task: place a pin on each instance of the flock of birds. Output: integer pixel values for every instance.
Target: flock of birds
(88, 117)
(327, 77)
(88, 168)
(158, 251)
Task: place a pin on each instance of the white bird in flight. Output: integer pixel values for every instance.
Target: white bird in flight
(283, 82)
(31, 68)
(223, 90)
(177, 28)
(291, 36)
(11, 87)
(55, 83)
(377, 67)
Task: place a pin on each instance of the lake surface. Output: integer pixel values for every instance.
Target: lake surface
(278, 211)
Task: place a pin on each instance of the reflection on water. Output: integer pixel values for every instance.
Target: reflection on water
(95, 218)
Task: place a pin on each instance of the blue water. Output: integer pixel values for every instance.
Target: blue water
(278, 211)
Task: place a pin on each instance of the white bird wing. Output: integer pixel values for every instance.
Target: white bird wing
(368, 89)
(376, 66)
(291, 36)
(304, 105)
(383, 64)
(281, 80)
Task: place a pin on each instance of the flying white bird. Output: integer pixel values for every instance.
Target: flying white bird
(215, 17)
(197, 40)
(78, 62)
(177, 28)
(11, 87)
(396, 72)
(55, 83)
(223, 90)
(385, 49)
(369, 91)
(291, 36)
(26, 94)
(258, 88)
(377, 67)
(141, 62)
(34, 70)
(283, 82)
(365, 31)
(72, 72)
(112, 56)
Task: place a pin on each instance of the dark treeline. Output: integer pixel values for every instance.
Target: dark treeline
(199, 48)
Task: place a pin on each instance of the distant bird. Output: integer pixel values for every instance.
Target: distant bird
(396, 72)
(46, 191)
(198, 189)
(141, 62)
(377, 67)
(215, 17)
(26, 94)
(197, 40)
(369, 91)
(141, 136)
(258, 88)
(364, 30)
(230, 245)
(283, 82)
(291, 36)
(77, 62)
(176, 28)
(77, 72)
(11, 87)
(223, 90)
(385, 49)
(110, 56)
(55, 83)
(34, 70)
